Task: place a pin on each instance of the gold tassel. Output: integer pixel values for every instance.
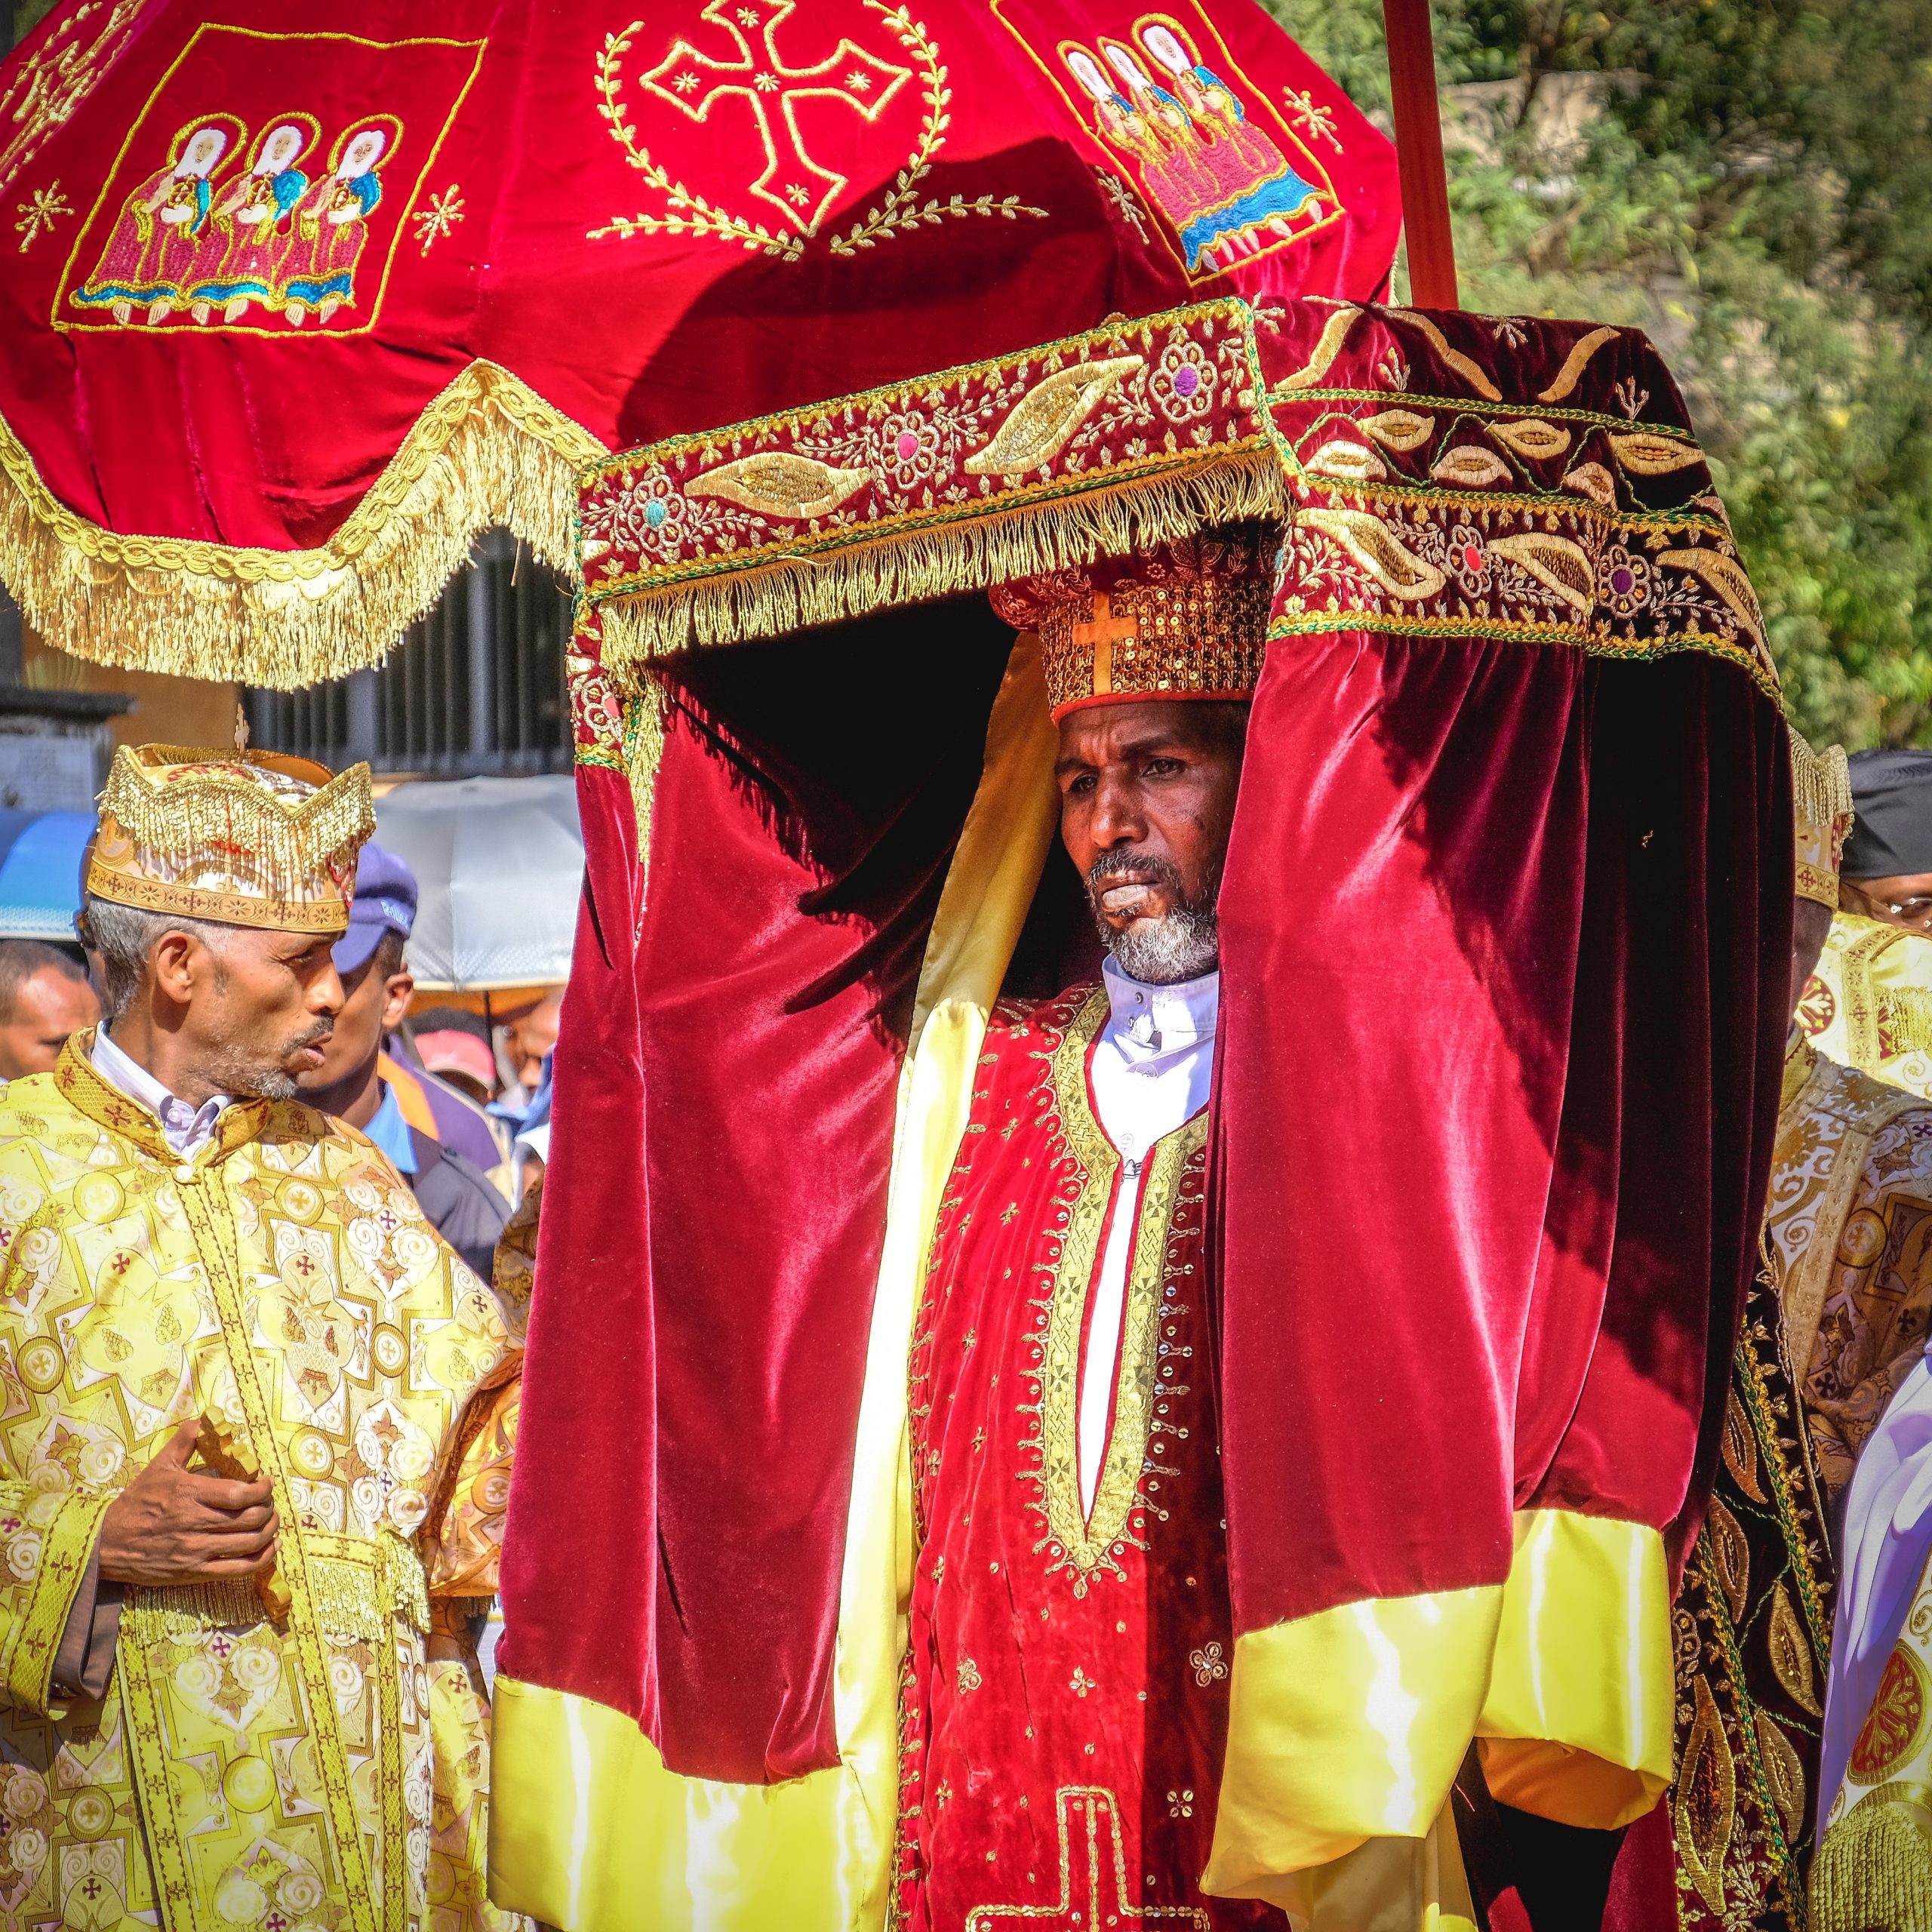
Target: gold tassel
(1820, 782)
(771, 599)
(1873, 1873)
(488, 452)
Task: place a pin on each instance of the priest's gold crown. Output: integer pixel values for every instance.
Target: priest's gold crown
(1184, 619)
(246, 838)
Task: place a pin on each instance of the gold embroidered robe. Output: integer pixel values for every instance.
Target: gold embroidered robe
(1849, 1220)
(328, 1776)
(1848, 1230)
(1869, 1004)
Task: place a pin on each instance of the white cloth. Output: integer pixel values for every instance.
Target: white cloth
(1887, 1540)
(187, 1130)
(1151, 1068)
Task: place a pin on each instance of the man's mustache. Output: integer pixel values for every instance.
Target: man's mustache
(1141, 868)
(323, 1029)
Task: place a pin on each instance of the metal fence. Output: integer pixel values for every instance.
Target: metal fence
(476, 687)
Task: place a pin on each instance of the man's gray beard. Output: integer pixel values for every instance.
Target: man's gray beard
(1181, 944)
(231, 1071)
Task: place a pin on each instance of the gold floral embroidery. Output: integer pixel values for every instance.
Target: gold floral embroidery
(1087, 1544)
(1707, 1801)
(1791, 1655)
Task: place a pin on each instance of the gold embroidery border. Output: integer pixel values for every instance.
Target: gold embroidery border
(1755, 1400)
(1592, 644)
(488, 451)
(213, 1241)
(1082, 1542)
(807, 577)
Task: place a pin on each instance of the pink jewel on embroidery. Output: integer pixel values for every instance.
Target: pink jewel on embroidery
(1471, 557)
(908, 445)
(1187, 379)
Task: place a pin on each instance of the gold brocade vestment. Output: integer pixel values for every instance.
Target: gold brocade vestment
(1847, 1294)
(328, 1776)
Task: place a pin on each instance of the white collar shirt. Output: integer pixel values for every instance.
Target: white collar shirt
(187, 1130)
(1151, 1068)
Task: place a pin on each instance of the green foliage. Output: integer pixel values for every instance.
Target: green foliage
(1751, 181)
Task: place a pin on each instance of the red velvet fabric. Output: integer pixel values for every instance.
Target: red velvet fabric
(725, 1088)
(1503, 944)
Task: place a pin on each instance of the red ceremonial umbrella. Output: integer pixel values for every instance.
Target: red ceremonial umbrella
(296, 306)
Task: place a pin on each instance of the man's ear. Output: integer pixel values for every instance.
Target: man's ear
(179, 963)
(395, 1002)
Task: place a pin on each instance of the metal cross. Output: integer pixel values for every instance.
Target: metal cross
(791, 180)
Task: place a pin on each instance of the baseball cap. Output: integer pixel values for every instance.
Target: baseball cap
(384, 902)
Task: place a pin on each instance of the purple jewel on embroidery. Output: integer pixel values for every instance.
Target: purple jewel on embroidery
(1187, 379)
(907, 446)
(1622, 581)
(654, 513)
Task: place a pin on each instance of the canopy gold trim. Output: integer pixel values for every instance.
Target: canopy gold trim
(489, 452)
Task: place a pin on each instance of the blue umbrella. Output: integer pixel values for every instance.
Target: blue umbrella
(40, 872)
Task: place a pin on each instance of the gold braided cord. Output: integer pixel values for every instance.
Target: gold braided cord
(488, 452)
(1058, 533)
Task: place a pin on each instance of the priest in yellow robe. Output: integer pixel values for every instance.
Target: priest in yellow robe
(1869, 1000)
(226, 1703)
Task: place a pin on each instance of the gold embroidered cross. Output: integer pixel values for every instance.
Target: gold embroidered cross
(1102, 632)
(769, 87)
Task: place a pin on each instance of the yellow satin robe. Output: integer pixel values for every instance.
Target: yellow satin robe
(331, 1775)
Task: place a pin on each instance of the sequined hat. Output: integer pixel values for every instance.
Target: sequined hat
(1187, 619)
(249, 838)
(1821, 809)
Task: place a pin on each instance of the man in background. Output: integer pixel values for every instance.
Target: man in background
(44, 996)
(357, 1081)
(454, 1045)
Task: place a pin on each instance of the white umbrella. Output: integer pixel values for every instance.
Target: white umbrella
(498, 863)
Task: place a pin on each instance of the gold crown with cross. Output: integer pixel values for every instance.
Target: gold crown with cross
(1184, 619)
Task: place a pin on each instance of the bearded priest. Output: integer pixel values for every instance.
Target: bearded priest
(1070, 1636)
(222, 1703)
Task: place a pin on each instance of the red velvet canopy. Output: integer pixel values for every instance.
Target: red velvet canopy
(293, 306)
(1505, 919)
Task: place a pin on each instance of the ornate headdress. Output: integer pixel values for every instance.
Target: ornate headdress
(1187, 619)
(1821, 808)
(250, 838)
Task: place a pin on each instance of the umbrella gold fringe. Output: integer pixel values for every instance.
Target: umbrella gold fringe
(488, 452)
(769, 598)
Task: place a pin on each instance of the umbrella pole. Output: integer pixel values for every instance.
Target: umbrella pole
(1419, 150)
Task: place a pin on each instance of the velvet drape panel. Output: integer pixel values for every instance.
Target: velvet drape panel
(1504, 940)
(726, 1075)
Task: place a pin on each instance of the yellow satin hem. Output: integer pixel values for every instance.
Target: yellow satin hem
(1579, 1723)
(1349, 1726)
(588, 1833)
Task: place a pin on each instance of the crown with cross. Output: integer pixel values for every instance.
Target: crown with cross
(1183, 620)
